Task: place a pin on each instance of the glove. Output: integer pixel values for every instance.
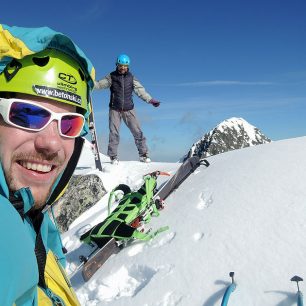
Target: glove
(154, 103)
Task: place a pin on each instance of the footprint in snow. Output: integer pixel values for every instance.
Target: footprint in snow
(136, 249)
(205, 200)
(171, 298)
(163, 240)
(165, 270)
(197, 236)
(139, 247)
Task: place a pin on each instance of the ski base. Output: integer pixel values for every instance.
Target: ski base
(96, 261)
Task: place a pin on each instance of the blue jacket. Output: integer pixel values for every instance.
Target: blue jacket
(19, 273)
(18, 259)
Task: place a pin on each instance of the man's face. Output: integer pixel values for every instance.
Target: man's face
(35, 159)
(122, 69)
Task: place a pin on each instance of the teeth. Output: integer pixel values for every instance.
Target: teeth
(36, 167)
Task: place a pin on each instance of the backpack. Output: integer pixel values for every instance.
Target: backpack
(133, 209)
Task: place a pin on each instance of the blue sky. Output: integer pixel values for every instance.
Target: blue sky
(204, 60)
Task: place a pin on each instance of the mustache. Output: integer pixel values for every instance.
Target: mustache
(39, 157)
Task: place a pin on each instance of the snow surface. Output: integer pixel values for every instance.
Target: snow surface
(245, 213)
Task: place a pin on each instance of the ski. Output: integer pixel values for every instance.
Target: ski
(111, 246)
(299, 294)
(187, 168)
(94, 139)
(95, 260)
(229, 290)
(91, 265)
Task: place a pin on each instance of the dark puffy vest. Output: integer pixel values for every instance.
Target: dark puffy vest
(121, 91)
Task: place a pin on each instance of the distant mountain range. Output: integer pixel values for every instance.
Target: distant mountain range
(231, 134)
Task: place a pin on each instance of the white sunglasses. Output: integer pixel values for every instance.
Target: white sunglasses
(31, 116)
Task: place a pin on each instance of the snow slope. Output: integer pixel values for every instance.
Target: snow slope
(245, 213)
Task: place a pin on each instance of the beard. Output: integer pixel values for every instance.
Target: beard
(40, 199)
(40, 193)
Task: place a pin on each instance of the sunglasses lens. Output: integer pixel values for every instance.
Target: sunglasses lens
(28, 115)
(71, 125)
(34, 117)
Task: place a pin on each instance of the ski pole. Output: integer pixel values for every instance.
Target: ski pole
(229, 290)
(299, 294)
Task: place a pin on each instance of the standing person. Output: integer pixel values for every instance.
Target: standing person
(45, 85)
(122, 84)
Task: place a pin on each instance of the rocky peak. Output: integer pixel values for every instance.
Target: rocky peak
(231, 134)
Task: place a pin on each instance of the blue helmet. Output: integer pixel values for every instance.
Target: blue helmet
(123, 59)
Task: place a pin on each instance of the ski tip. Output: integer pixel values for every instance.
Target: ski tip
(164, 173)
(157, 173)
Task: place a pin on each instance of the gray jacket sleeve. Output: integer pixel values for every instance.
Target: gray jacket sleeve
(140, 91)
(104, 83)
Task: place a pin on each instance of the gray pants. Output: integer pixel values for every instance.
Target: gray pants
(130, 119)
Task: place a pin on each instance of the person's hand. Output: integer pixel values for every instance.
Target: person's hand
(155, 103)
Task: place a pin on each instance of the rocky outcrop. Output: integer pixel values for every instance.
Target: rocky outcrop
(82, 193)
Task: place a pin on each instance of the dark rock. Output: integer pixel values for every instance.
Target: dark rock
(82, 193)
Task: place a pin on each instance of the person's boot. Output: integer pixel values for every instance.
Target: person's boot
(114, 160)
(144, 158)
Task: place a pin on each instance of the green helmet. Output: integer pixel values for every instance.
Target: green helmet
(51, 74)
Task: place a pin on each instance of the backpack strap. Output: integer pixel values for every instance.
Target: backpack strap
(37, 218)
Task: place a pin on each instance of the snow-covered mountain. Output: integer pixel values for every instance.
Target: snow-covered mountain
(245, 213)
(231, 134)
